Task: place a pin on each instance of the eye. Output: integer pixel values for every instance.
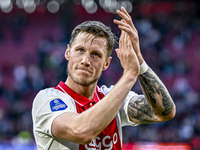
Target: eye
(80, 50)
(96, 54)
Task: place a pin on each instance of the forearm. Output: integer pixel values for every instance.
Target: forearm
(101, 114)
(157, 95)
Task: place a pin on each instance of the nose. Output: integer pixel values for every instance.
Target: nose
(86, 60)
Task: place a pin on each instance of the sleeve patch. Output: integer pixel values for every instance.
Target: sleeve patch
(57, 105)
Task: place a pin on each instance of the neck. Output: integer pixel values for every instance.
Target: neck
(86, 91)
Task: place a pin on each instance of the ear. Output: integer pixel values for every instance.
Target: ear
(67, 52)
(107, 63)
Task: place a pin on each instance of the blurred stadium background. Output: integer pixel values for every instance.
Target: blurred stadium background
(33, 38)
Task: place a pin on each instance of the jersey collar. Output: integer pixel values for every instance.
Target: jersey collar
(79, 99)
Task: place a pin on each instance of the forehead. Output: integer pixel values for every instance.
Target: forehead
(84, 38)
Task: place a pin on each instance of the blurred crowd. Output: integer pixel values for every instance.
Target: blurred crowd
(169, 44)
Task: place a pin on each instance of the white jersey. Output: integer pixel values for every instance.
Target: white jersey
(52, 102)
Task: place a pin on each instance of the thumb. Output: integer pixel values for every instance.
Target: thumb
(117, 51)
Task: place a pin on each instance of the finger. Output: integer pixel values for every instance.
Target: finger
(130, 43)
(122, 41)
(121, 23)
(121, 36)
(124, 14)
(128, 40)
(117, 51)
(128, 30)
(118, 22)
(126, 43)
(124, 26)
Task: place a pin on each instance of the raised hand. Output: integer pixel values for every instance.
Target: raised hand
(127, 55)
(126, 24)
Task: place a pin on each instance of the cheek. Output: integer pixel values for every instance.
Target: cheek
(99, 68)
(71, 65)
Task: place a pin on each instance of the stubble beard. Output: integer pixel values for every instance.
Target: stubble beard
(82, 81)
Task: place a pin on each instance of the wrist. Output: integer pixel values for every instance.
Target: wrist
(130, 76)
(143, 67)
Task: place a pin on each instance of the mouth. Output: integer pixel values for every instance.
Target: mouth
(84, 70)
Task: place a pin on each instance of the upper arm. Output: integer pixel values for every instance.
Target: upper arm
(54, 115)
(139, 110)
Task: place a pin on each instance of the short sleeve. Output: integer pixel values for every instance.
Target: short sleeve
(47, 105)
(124, 111)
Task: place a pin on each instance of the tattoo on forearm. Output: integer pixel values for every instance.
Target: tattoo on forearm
(140, 109)
(155, 90)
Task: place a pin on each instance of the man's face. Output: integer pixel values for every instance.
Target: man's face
(87, 59)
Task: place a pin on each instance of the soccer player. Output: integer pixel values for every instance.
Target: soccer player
(79, 115)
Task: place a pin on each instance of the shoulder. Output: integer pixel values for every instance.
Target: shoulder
(48, 93)
(46, 96)
(51, 100)
(43, 96)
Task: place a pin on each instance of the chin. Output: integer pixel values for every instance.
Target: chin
(85, 82)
